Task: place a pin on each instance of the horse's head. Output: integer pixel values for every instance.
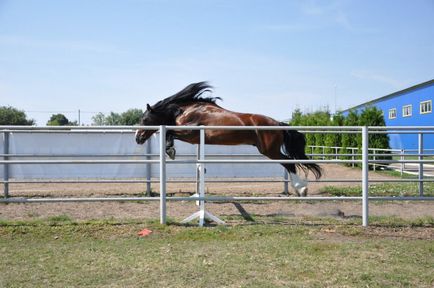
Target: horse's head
(165, 115)
(167, 110)
(151, 117)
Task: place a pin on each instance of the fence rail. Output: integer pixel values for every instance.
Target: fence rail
(362, 157)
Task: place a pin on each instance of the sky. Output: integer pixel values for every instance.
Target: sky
(262, 56)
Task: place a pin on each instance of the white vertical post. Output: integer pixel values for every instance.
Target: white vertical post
(352, 157)
(375, 158)
(420, 152)
(365, 175)
(202, 177)
(6, 166)
(163, 174)
(197, 169)
(148, 167)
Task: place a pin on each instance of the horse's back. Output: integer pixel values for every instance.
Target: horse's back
(213, 115)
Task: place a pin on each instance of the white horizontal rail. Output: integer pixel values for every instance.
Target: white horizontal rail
(215, 161)
(82, 161)
(123, 128)
(211, 199)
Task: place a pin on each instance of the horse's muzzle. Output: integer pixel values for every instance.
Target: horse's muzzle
(143, 135)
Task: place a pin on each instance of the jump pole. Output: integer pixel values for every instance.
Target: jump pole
(202, 214)
(365, 177)
(163, 174)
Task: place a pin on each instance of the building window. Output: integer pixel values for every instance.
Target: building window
(406, 110)
(426, 107)
(392, 113)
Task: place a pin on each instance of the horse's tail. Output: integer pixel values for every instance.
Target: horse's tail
(294, 144)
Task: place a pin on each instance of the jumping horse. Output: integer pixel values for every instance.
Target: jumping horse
(189, 107)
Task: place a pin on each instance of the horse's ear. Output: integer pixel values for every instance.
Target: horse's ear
(148, 107)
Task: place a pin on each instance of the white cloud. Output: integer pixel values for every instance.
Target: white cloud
(75, 45)
(375, 76)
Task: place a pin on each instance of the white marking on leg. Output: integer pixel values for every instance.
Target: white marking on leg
(299, 185)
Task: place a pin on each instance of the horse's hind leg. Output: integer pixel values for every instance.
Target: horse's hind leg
(299, 185)
(269, 145)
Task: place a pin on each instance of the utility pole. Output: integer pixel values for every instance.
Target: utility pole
(79, 120)
(336, 88)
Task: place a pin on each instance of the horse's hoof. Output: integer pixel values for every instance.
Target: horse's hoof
(171, 152)
(301, 192)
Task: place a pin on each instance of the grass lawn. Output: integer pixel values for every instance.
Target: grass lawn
(278, 252)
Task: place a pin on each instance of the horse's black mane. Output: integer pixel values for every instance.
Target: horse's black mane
(191, 93)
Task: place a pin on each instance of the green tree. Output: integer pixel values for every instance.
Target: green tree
(372, 116)
(13, 116)
(320, 118)
(113, 119)
(334, 139)
(98, 119)
(131, 117)
(296, 118)
(58, 120)
(350, 140)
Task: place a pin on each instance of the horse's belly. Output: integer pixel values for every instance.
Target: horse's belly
(228, 137)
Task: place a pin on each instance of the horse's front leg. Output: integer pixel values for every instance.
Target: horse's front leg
(170, 149)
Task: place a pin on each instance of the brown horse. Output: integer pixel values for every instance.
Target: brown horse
(189, 108)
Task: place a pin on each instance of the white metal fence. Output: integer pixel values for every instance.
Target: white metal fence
(363, 158)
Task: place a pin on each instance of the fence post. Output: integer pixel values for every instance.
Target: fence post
(148, 167)
(163, 174)
(202, 177)
(197, 170)
(285, 182)
(365, 176)
(420, 152)
(352, 157)
(375, 158)
(6, 166)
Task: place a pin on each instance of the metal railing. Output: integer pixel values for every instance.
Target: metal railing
(364, 161)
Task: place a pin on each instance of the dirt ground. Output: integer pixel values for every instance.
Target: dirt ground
(180, 210)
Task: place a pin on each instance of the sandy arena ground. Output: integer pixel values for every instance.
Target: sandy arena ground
(180, 210)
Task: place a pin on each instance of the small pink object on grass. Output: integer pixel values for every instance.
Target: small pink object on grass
(144, 233)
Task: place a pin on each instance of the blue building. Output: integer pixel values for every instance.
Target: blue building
(409, 107)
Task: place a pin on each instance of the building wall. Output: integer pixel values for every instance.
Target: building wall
(413, 98)
(397, 101)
